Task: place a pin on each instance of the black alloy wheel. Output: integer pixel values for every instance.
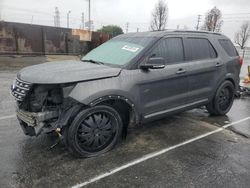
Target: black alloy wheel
(223, 99)
(94, 131)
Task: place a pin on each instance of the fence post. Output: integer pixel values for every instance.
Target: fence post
(66, 43)
(43, 41)
(16, 40)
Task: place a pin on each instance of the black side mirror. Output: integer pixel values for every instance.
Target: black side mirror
(154, 63)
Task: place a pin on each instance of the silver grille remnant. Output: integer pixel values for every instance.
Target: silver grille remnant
(20, 89)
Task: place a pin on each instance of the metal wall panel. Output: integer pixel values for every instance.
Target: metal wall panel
(17, 38)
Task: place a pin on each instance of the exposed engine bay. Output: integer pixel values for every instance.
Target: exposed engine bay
(42, 106)
(43, 98)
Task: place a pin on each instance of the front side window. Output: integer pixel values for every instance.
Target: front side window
(171, 49)
(198, 49)
(118, 51)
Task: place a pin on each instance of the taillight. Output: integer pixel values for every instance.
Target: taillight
(241, 61)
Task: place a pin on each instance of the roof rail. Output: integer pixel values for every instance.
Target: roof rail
(194, 31)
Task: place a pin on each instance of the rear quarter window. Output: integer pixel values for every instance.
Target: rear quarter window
(229, 48)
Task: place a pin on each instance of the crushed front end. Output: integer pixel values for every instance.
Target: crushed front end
(42, 107)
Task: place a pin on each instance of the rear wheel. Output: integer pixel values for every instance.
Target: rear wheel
(223, 99)
(94, 131)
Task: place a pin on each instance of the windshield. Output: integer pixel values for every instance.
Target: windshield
(118, 51)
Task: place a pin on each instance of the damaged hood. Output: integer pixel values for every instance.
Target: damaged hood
(66, 72)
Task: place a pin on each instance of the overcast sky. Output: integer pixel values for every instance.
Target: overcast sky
(136, 12)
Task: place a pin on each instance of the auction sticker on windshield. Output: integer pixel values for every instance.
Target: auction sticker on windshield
(131, 49)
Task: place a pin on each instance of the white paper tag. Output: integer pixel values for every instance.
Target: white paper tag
(130, 48)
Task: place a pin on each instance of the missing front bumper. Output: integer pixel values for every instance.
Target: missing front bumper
(32, 123)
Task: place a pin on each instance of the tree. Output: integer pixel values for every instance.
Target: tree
(159, 16)
(241, 37)
(111, 30)
(213, 20)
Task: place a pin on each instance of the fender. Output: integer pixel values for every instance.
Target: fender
(93, 92)
(229, 76)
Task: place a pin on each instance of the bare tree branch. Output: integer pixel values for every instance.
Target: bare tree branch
(213, 20)
(241, 37)
(159, 16)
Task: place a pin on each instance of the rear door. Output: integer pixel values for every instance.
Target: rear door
(205, 65)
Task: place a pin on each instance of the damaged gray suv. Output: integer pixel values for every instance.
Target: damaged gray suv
(131, 79)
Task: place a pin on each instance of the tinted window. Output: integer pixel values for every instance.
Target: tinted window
(198, 48)
(228, 47)
(171, 49)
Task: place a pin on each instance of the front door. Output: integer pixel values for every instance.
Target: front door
(164, 89)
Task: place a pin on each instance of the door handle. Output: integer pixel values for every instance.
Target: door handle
(218, 64)
(181, 71)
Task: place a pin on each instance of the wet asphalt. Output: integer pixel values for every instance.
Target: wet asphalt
(219, 160)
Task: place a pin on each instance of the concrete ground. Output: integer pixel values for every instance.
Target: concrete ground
(218, 158)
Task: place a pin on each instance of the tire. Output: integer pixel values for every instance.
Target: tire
(223, 99)
(94, 131)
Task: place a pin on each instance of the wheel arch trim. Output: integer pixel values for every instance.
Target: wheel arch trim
(118, 97)
(228, 77)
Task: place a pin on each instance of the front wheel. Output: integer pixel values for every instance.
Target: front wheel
(94, 131)
(223, 99)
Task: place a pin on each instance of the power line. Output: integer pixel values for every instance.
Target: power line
(237, 13)
(235, 18)
(25, 15)
(32, 12)
(47, 13)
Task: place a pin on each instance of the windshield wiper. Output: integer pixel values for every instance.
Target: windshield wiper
(93, 61)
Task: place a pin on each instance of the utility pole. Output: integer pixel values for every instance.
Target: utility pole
(198, 22)
(57, 17)
(68, 18)
(32, 20)
(127, 25)
(83, 20)
(89, 16)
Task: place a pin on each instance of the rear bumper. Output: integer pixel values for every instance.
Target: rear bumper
(33, 123)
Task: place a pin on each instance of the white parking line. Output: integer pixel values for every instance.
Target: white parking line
(154, 154)
(7, 117)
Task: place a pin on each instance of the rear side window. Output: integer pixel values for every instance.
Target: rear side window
(228, 47)
(171, 49)
(199, 48)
